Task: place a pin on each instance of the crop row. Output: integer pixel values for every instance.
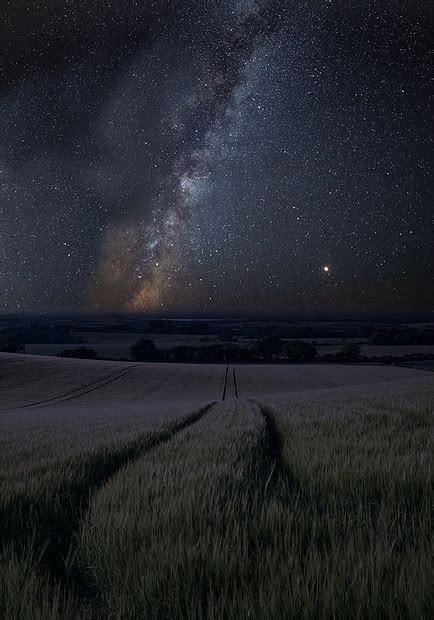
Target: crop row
(41, 519)
(316, 505)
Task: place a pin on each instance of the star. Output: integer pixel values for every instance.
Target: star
(149, 166)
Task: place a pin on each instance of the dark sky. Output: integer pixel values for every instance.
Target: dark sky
(218, 157)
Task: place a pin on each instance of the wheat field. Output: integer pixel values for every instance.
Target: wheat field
(213, 491)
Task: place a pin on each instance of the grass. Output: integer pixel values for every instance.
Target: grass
(41, 521)
(182, 514)
(302, 504)
(348, 524)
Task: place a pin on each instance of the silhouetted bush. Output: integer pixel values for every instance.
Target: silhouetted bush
(144, 351)
(83, 353)
(351, 352)
(12, 344)
(297, 350)
(209, 353)
(182, 353)
(268, 347)
(402, 336)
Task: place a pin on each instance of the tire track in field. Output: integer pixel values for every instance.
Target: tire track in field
(226, 382)
(235, 382)
(97, 387)
(230, 388)
(69, 395)
(279, 473)
(55, 541)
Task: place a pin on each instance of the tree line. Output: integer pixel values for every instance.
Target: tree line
(268, 349)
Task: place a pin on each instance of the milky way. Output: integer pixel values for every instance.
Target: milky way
(217, 157)
(141, 262)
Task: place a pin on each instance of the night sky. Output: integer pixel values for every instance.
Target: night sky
(216, 157)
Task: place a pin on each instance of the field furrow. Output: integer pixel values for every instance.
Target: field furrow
(149, 382)
(347, 510)
(125, 494)
(167, 537)
(81, 390)
(25, 379)
(40, 525)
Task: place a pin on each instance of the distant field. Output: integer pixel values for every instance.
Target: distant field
(371, 350)
(117, 345)
(212, 491)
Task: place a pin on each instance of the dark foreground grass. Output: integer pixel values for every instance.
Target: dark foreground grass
(40, 524)
(322, 511)
(317, 506)
(347, 523)
(166, 538)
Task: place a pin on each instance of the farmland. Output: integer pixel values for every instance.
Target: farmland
(117, 345)
(213, 491)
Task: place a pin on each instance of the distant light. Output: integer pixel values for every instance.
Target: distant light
(326, 268)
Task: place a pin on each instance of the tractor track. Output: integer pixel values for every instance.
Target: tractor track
(56, 546)
(77, 392)
(226, 382)
(230, 388)
(235, 382)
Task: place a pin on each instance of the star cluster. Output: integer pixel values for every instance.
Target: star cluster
(225, 157)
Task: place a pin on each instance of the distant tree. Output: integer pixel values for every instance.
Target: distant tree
(12, 344)
(350, 352)
(234, 353)
(298, 350)
(143, 351)
(184, 353)
(81, 353)
(414, 336)
(403, 336)
(268, 347)
(383, 335)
